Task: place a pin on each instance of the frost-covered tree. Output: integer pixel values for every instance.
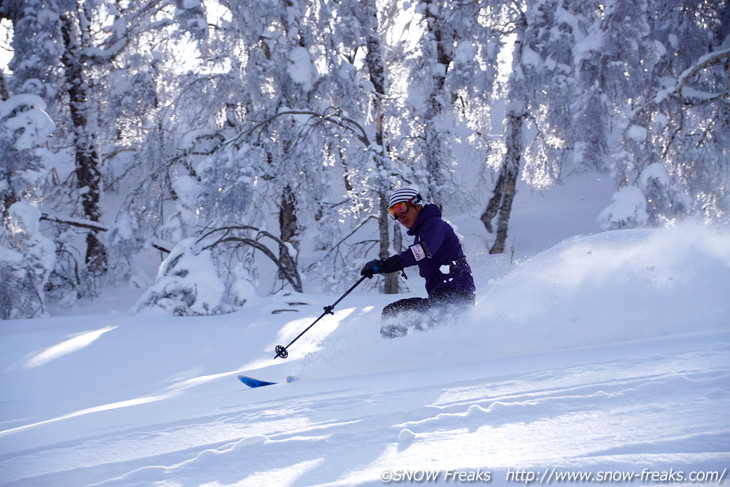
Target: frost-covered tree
(24, 128)
(237, 133)
(663, 74)
(358, 85)
(26, 256)
(562, 38)
(429, 98)
(35, 80)
(556, 112)
(500, 204)
(285, 144)
(82, 58)
(117, 88)
(674, 134)
(442, 58)
(26, 261)
(248, 140)
(602, 82)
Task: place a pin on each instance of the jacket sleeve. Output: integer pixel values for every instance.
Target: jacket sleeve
(391, 264)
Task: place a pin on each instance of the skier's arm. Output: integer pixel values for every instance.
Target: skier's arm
(381, 266)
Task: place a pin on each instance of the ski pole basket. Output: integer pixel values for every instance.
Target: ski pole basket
(283, 352)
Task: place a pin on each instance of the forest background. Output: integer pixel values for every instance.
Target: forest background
(251, 145)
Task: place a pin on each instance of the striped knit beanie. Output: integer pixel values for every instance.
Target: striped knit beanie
(404, 194)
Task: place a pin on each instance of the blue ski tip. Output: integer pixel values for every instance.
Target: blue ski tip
(251, 382)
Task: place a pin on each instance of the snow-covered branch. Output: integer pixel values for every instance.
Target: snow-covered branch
(284, 261)
(92, 225)
(335, 117)
(704, 62)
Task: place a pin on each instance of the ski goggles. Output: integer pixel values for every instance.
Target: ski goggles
(401, 208)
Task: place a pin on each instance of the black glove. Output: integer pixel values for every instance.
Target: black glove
(372, 267)
(381, 266)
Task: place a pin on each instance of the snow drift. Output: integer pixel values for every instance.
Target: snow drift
(588, 290)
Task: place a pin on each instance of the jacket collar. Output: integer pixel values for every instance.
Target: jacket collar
(429, 211)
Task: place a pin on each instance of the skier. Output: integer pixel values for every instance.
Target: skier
(441, 262)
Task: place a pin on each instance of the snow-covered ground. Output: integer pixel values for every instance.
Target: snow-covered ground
(603, 355)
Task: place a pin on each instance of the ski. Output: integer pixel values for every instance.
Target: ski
(251, 382)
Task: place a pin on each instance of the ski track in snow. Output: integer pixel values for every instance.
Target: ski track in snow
(658, 410)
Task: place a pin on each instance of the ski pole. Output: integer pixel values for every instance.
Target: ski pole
(283, 352)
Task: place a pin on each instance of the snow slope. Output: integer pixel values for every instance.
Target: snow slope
(606, 356)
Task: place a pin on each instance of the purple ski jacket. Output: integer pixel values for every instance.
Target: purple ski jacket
(446, 267)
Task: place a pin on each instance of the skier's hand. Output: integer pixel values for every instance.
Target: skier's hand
(372, 267)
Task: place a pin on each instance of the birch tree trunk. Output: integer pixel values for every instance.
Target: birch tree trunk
(439, 36)
(505, 188)
(376, 69)
(500, 204)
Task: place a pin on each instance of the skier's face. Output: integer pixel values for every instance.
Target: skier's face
(408, 219)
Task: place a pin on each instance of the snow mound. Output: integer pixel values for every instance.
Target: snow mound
(616, 286)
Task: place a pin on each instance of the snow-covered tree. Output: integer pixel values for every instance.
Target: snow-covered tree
(679, 122)
(237, 133)
(656, 129)
(26, 261)
(26, 256)
(24, 128)
(82, 58)
(500, 204)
